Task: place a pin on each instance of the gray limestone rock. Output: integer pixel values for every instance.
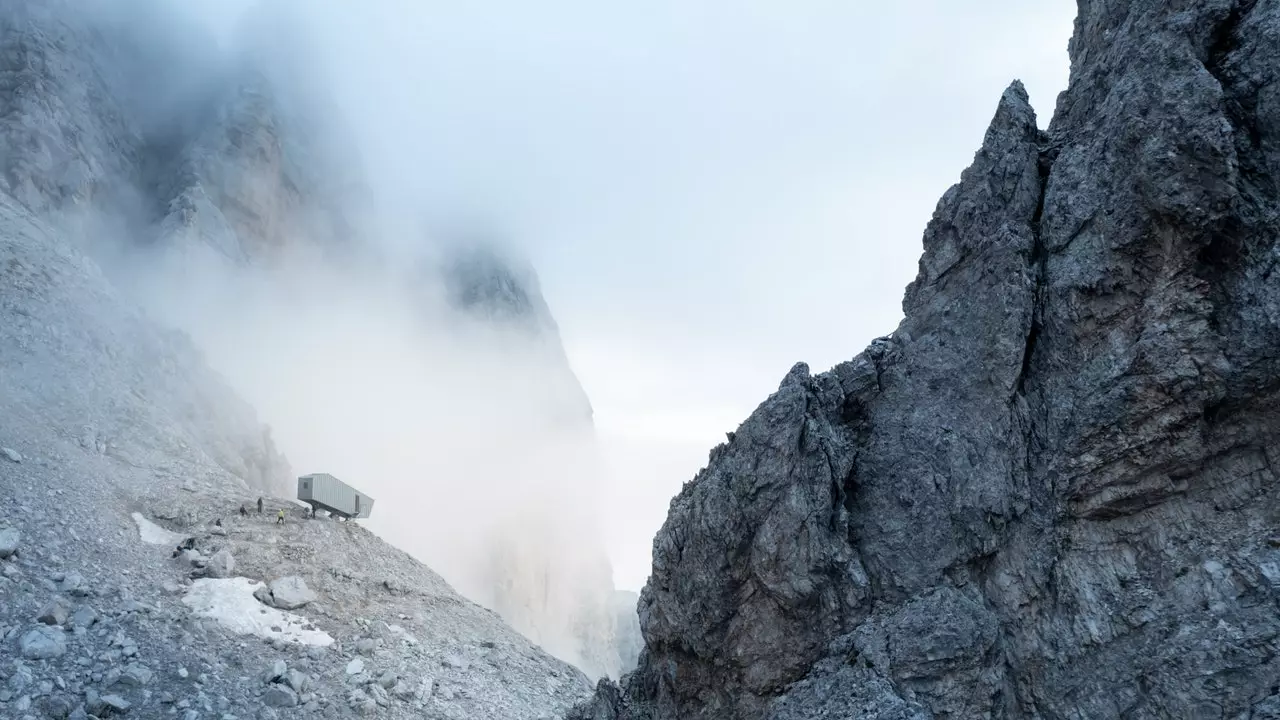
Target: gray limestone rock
(136, 675)
(11, 455)
(1051, 491)
(75, 585)
(42, 643)
(361, 703)
(297, 680)
(403, 690)
(280, 696)
(54, 613)
(290, 593)
(115, 704)
(221, 565)
(84, 617)
(10, 539)
(278, 671)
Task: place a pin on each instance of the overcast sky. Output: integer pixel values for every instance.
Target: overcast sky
(711, 191)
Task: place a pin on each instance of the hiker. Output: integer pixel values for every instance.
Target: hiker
(243, 511)
(259, 506)
(280, 516)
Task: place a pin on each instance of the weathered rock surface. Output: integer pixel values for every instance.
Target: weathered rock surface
(221, 565)
(286, 593)
(42, 643)
(9, 542)
(1052, 491)
(280, 696)
(55, 613)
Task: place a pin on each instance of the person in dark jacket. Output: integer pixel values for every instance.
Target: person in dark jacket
(259, 506)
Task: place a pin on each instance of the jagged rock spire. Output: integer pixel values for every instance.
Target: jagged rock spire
(1050, 492)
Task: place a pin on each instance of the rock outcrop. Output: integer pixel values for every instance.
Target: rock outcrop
(1051, 491)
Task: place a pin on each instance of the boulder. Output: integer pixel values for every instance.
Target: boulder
(9, 540)
(221, 565)
(75, 585)
(84, 617)
(280, 696)
(276, 673)
(115, 704)
(287, 593)
(297, 680)
(43, 643)
(136, 675)
(54, 613)
(291, 593)
(11, 455)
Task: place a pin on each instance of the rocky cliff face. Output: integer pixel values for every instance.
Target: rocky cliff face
(1051, 491)
(132, 112)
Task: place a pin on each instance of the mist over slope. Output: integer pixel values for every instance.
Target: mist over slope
(118, 441)
(218, 187)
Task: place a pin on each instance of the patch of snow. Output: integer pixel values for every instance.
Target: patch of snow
(230, 602)
(153, 534)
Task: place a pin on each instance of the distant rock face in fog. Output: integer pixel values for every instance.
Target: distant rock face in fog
(125, 108)
(1052, 491)
(500, 292)
(556, 590)
(124, 119)
(482, 283)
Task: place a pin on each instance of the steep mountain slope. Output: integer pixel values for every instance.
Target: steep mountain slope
(189, 171)
(107, 417)
(1051, 492)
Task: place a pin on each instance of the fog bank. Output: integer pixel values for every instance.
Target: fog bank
(421, 369)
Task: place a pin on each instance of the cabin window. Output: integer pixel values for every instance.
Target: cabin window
(306, 484)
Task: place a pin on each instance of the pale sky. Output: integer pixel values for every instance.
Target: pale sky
(710, 191)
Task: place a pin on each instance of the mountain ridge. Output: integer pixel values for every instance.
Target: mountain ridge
(1048, 493)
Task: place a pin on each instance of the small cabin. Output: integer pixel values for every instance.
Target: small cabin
(326, 492)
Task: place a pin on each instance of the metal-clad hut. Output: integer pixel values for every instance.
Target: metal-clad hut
(326, 492)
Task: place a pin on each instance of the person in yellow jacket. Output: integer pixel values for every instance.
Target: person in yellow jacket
(280, 516)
